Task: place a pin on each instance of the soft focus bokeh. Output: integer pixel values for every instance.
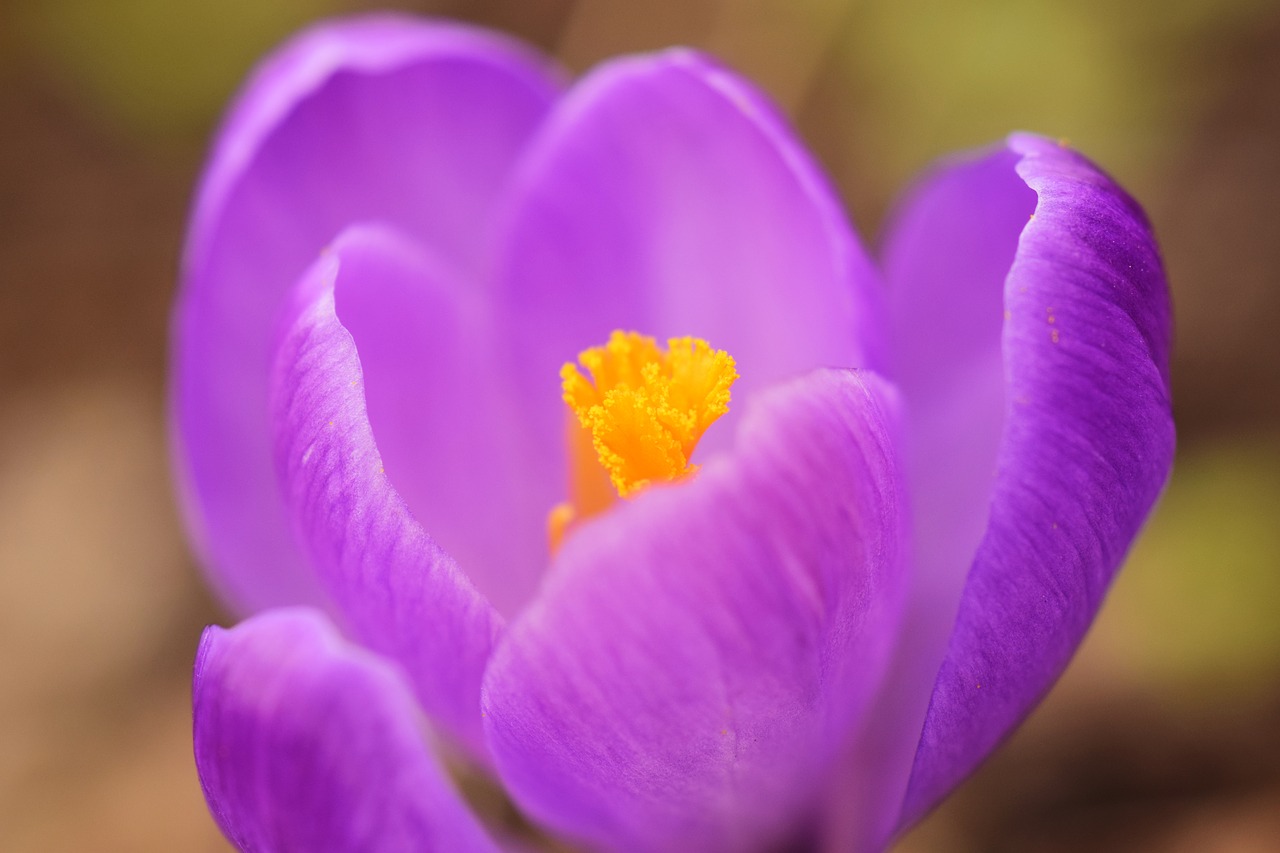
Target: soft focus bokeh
(1165, 733)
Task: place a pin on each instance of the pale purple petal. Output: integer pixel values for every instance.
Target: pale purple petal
(665, 195)
(1086, 443)
(387, 118)
(394, 586)
(305, 743)
(699, 654)
(945, 261)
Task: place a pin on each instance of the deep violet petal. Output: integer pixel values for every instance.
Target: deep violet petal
(1086, 445)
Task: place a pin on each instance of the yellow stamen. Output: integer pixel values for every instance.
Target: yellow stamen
(638, 418)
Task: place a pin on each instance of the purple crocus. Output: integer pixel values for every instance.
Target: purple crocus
(931, 466)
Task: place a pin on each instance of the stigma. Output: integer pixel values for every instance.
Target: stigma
(637, 414)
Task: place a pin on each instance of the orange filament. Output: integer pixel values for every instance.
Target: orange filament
(638, 418)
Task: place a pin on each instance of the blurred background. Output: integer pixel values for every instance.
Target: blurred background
(1165, 733)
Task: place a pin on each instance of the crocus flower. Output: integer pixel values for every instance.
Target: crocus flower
(931, 465)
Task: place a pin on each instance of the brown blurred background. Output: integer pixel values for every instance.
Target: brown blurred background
(1165, 733)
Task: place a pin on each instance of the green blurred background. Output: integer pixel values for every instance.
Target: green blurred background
(1165, 733)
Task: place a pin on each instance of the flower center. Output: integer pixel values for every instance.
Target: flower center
(638, 417)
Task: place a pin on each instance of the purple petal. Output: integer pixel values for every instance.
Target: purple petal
(442, 415)
(305, 743)
(398, 590)
(665, 195)
(949, 250)
(698, 654)
(383, 118)
(1086, 436)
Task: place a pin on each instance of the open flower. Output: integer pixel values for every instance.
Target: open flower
(929, 469)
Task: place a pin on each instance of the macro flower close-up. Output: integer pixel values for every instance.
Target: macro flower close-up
(565, 431)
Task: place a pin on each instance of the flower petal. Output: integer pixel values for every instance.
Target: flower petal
(305, 743)
(1086, 433)
(665, 195)
(948, 251)
(382, 118)
(397, 589)
(698, 653)
(441, 413)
